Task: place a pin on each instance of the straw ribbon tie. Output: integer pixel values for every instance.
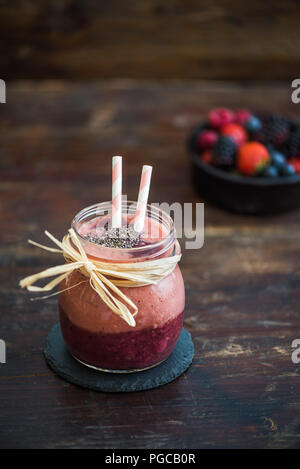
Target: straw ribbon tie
(122, 274)
(89, 266)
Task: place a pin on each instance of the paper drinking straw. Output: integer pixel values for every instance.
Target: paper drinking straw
(140, 214)
(117, 192)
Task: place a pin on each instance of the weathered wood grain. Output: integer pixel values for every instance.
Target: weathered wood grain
(242, 287)
(151, 39)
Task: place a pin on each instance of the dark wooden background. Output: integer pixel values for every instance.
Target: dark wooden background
(96, 79)
(242, 287)
(150, 39)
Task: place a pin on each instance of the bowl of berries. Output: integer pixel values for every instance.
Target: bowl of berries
(246, 162)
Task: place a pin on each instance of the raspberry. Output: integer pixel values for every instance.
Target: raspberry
(224, 152)
(252, 158)
(206, 139)
(220, 117)
(242, 116)
(236, 132)
(296, 164)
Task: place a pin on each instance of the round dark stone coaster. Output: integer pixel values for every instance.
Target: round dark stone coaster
(62, 362)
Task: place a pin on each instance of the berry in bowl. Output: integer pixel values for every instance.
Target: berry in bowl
(247, 163)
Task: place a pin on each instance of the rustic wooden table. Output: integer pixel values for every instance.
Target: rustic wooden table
(242, 287)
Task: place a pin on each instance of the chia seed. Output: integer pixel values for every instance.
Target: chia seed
(124, 238)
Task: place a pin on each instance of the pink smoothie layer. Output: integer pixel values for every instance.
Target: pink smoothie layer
(122, 351)
(157, 304)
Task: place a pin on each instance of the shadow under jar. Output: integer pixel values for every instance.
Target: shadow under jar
(96, 336)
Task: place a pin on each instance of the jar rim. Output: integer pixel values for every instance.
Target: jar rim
(151, 211)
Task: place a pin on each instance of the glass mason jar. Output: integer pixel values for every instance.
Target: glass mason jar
(99, 338)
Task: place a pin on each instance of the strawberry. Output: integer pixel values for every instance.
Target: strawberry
(236, 132)
(252, 158)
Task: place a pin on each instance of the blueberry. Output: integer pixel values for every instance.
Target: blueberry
(287, 170)
(253, 124)
(278, 159)
(270, 172)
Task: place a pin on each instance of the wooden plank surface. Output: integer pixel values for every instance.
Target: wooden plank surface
(242, 286)
(150, 39)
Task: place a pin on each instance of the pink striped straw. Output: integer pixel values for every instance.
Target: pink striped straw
(141, 207)
(117, 192)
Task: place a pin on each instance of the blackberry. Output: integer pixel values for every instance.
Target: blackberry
(224, 152)
(293, 143)
(274, 131)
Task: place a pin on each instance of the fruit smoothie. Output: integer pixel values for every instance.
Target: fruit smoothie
(94, 334)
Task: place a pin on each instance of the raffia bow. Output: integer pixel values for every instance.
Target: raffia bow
(135, 274)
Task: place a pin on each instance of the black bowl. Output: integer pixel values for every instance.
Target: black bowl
(242, 194)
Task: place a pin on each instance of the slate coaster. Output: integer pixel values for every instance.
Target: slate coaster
(62, 362)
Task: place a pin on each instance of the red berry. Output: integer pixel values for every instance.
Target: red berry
(236, 132)
(252, 158)
(220, 117)
(242, 116)
(206, 139)
(207, 156)
(295, 163)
